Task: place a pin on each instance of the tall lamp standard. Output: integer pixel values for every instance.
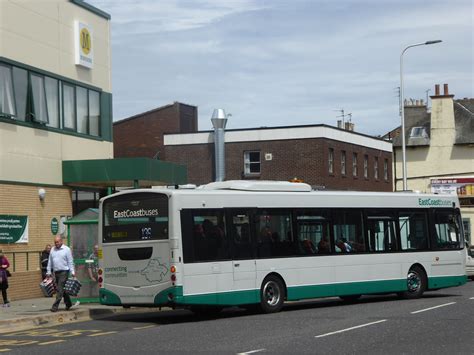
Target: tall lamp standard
(404, 158)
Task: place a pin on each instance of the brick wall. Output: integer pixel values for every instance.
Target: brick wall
(306, 159)
(24, 285)
(23, 200)
(142, 135)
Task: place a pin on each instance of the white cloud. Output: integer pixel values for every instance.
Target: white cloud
(287, 62)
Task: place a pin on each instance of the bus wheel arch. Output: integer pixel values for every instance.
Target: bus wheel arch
(272, 293)
(417, 282)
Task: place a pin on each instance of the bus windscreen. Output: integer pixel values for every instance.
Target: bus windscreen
(135, 217)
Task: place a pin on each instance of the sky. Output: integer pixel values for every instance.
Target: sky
(284, 63)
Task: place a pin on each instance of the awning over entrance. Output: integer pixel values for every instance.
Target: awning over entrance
(122, 172)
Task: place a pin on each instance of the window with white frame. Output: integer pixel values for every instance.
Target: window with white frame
(385, 169)
(343, 162)
(366, 166)
(252, 163)
(331, 161)
(354, 164)
(376, 168)
(418, 132)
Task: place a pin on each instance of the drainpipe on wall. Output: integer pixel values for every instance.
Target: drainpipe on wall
(219, 121)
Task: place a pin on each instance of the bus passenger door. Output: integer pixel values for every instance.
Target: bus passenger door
(243, 256)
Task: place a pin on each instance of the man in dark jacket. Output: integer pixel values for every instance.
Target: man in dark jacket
(44, 260)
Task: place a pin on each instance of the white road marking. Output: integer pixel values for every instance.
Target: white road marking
(99, 334)
(472, 298)
(429, 309)
(351, 328)
(52, 342)
(146, 326)
(251, 351)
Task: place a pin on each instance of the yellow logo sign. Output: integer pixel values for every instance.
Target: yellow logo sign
(85, 40)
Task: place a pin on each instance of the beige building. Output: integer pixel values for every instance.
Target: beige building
(440, 150)
(55, 106)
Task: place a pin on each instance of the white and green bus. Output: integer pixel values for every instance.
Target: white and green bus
(265, 242)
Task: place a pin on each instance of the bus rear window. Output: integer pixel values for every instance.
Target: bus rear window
(135, 217)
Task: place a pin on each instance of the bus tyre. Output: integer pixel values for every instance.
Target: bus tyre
(416, 283)
(272, 295)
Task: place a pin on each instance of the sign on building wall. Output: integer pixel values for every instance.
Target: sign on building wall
(83, 44)
(13, 229)
(454, 186)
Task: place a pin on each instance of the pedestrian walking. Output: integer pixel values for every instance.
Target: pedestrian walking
(4, 274)
(44, 260)
(60, 263)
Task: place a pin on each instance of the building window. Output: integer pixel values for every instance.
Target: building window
(366, 166)
(418, 132)
(39, 113)
(52, 100)
(20, 84)
(28, 96)
(331, 161)
(376, 168)
(354, 164)
(7, 104)
(343, 162)
(385, 169)
(94, 113)
(252, 163)
(69, 105)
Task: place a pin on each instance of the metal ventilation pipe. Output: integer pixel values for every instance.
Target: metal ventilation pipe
(219, 121)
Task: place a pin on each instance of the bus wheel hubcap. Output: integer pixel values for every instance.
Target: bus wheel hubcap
(414, 281)
(271, 293)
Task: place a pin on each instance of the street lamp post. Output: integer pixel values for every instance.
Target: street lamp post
(404, 160)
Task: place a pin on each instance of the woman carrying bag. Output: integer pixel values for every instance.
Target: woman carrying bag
(4, 274)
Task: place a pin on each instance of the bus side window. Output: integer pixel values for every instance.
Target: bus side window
(382, 231)
(312, 233)
(241, 237)
(347, 229)
(448, 231)
(413, 230)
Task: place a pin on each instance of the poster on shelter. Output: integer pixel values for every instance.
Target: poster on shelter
(13, 229)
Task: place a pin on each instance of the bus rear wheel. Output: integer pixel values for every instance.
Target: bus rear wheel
(272, 294)
(416, 283)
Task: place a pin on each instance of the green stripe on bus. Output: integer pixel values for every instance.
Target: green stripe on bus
(109, 298)
(341, 289)
(235, 298)
(446, 281)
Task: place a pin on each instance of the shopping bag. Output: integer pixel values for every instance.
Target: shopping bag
(72, 287)
(48, 287)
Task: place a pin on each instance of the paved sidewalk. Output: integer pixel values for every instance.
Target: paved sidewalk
(26, 314)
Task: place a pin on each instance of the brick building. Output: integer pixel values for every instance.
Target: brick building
(142, 135)
(321, 155)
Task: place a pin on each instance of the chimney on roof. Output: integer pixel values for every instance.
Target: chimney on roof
(445, 94)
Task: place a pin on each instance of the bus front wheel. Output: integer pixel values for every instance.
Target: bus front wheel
(272, 294)
(416, 283)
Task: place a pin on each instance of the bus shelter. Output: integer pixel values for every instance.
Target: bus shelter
(83, 240)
